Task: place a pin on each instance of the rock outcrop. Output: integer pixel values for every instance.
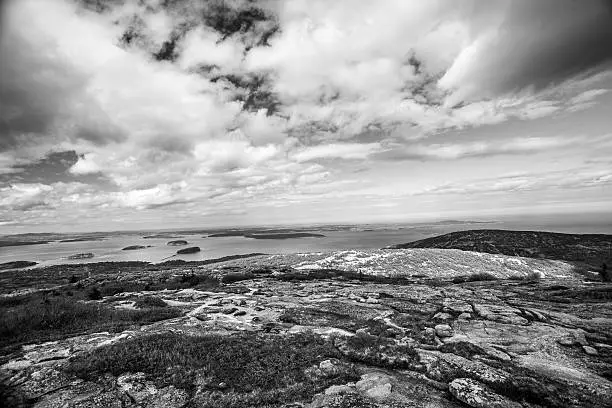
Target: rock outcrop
(411, 338)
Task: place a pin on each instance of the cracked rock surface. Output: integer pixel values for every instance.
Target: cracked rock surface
(409, 336)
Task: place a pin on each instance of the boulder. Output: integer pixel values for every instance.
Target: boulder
(339, 389)
(136, 386)
(456, 306)
(375, 385)
(478, 395)
(443, 316)
(500, 314)
(144, 393)
(444, 330)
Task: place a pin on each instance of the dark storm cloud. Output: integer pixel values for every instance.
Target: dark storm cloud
(535, 44)
(39, 89)
(33, 89)
(52, 168)
(569, 37)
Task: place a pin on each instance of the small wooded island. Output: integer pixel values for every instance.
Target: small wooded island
(178, 242)
(190, 250)
(134, 247)
(86, 255)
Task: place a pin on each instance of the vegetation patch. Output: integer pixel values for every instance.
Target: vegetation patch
(144, 302)
(224, 370)
(376, 350)
(475, 277)
(323, 274)
(237, 277)
(31, 319)
(414, 325)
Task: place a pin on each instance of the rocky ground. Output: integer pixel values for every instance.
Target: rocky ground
(394, 328)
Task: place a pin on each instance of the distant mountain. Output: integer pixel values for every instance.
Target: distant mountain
(533, 244)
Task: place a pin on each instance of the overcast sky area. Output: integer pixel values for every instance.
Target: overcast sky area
(161, 114)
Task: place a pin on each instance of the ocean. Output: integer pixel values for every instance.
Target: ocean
(336, 238)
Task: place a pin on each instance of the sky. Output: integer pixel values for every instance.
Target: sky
(134, 114)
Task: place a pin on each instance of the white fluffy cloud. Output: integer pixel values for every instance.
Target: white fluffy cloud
(204, 47)
(352, 151)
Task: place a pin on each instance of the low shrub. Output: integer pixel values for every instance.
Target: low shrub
(377, 350)
(144, 302)
(55, 318)
(94, 293)
(237, 277)
(475, 277)
(252, 365)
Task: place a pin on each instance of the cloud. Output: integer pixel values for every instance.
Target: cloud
(335, 63)
(203, 46)
(24, 197)
(487, 148)
(67, 82)
(578, 178)
(190, 103)
(162, 195)
(86, 164)
(346, 151)
(575, 39)
(44, 96)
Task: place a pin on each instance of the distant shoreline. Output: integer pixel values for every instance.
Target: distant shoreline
(21, 243)
(287, 235)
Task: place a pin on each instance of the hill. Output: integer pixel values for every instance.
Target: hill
(589, 248)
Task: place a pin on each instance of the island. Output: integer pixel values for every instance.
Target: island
(82, 239)
(86, 255)
(178, 242)
(190, 250)
(134, 247)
